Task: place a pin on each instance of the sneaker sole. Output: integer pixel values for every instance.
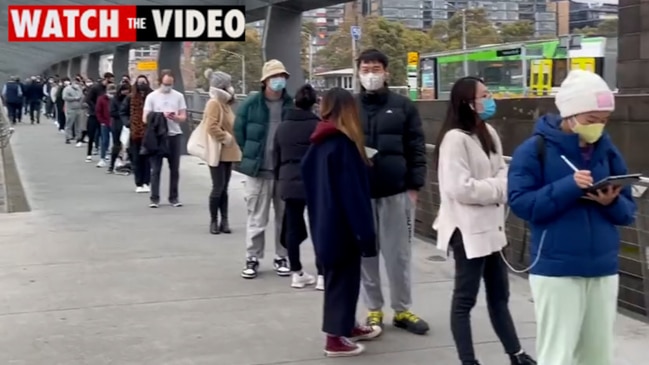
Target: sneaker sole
(369, 336)
(356, 352)
(248, 276)
(283, 274)
(406, 328)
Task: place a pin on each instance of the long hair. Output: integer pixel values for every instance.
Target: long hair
(460, 114)
(339, 107)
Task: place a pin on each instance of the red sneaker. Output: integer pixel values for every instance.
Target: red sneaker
(342, 347)
(364, 333)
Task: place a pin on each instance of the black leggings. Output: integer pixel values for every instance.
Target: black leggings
(294, 232)
(219, 195)
(116, 132)
(468, 274)
(93, 132)
(342, 287)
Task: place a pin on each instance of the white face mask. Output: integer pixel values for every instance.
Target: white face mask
(372, 81)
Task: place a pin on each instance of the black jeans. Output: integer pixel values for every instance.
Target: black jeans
(35, 108)
(14, 112)
(93, 132)
(219, 195)
(342, 287)
(173, 159)
(60, 118)
(139, 164)
(468, 274)
(116, 133)
(294, 232)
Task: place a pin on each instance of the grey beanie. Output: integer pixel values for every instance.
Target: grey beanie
(218, 79)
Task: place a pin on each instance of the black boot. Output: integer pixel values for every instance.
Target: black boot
(522, 359)
(214, 221)
(223, 208)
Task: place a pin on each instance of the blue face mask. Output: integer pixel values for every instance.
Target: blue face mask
(277, 83)
(489, 105)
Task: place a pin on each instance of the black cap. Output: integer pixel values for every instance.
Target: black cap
(108, 75)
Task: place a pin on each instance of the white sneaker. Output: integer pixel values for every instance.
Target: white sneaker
(88, 158)
(302, 279)
(146, 188)
(101, 163)
(320, 283)
(79, 144)
(139, 189)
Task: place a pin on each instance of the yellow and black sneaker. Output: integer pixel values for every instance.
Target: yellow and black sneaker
(374, 318)
(410, 322)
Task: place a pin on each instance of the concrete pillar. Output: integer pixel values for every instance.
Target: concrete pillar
(120, 60)
(64, 67)
(92, 65)
(75, 66)
(282, 40)
(169, 58)
(633, 47)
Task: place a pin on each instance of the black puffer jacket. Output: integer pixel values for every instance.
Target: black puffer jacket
(392, 126)
(291, 143)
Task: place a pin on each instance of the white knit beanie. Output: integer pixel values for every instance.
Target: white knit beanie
(582, 92)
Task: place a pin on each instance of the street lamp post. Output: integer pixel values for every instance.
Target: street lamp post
(310, 50)
(243, 68)
(465, 60)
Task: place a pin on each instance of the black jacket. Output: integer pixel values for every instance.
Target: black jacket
(34, 91)
(155, 136)
(291, 143)
(125, 111)
(392, 126)
(115, 105)
(92, 95)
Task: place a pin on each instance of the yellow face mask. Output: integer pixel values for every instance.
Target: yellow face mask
(589, 133)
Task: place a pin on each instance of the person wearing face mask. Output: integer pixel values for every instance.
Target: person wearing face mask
(254, 129)
(117, 124)
(49, 105)
(219, 119)
(392, 127)
(472, 176)
(34, 97)
(72, 96)
(131, 112)
(102, 112)
(575, 239)
(94, 128)
(172, 104)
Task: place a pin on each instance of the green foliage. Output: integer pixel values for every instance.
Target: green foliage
(522, 30)
(217, 56)
(607, 28)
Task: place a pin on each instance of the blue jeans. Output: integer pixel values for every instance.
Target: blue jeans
(104, 141)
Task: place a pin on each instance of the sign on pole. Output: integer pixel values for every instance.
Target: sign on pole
(356, 32)
(147, 65)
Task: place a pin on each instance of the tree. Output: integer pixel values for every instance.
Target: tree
(308, 33)
(607, 28)
(337, 53)
(388, 37)
(522, 30)
(479, 30)
(225, 56)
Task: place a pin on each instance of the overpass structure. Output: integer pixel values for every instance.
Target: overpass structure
(281, 40)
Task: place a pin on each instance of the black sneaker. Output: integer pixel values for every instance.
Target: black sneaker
(281, 266)
(110, 171)
(522, 359)
(154, 204)
(175, 203)
(250, 271)
(410, 322)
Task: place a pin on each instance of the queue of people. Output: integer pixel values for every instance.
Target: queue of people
(356, 167)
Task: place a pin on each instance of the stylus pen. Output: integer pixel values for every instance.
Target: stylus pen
(570, 164)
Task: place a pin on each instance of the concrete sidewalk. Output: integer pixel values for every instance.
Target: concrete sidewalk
(93, 276)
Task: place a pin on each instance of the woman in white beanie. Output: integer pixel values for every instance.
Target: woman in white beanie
(219, 117)
(575, 240)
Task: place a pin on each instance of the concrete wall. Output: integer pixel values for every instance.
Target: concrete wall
(629, 128)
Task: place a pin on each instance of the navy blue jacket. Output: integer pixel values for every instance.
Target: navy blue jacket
(338, 197)
(34, 91)
(581, 236)
(13, 93)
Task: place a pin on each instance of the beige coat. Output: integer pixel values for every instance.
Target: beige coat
(219, 118)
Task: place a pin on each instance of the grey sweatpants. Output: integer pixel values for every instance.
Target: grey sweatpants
(394, 221)
(73, 122)
(260, 193)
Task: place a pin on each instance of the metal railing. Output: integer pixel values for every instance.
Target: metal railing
(634, 246)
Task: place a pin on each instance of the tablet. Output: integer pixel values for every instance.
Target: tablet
(620, 180)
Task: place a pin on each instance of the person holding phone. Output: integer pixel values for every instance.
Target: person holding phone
(172, 104)
(575, 239)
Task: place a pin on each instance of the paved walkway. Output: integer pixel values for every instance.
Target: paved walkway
(92, 276)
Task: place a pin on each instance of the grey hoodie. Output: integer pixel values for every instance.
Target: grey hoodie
(73, 97)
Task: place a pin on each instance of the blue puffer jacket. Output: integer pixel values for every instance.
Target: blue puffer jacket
(581, 237)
